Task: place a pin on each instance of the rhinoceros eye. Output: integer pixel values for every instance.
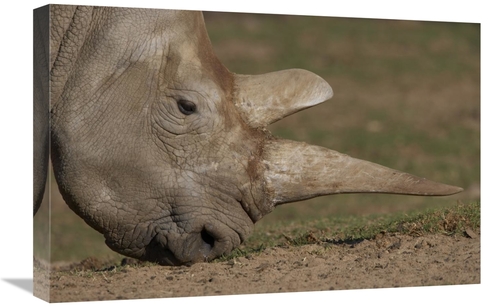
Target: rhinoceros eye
(186, 107)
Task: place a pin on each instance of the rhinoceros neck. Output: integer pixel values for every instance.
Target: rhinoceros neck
(69, 27)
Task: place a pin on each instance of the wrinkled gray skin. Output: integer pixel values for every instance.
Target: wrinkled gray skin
(40, 105)
(159, 147)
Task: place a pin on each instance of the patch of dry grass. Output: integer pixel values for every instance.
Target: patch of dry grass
(460, 219)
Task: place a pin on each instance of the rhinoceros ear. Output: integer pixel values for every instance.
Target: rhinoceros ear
(264, 99)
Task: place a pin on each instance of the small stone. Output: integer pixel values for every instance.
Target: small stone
(470, 233)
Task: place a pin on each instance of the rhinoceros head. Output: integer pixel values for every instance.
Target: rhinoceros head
(164, 151)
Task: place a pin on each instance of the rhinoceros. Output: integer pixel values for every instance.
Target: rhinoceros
(162, 149)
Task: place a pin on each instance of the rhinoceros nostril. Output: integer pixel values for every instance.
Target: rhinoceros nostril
(207, 238)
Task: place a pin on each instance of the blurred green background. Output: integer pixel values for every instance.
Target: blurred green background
(407, 95)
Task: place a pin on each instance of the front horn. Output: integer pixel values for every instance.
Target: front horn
(295, 171)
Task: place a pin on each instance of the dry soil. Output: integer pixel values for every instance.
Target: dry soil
(384, 262)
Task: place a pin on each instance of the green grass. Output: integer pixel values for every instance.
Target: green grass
(456, 220)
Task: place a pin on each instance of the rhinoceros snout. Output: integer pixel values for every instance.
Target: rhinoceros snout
(199, 246)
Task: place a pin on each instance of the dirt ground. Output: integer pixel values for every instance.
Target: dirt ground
(387, 261)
